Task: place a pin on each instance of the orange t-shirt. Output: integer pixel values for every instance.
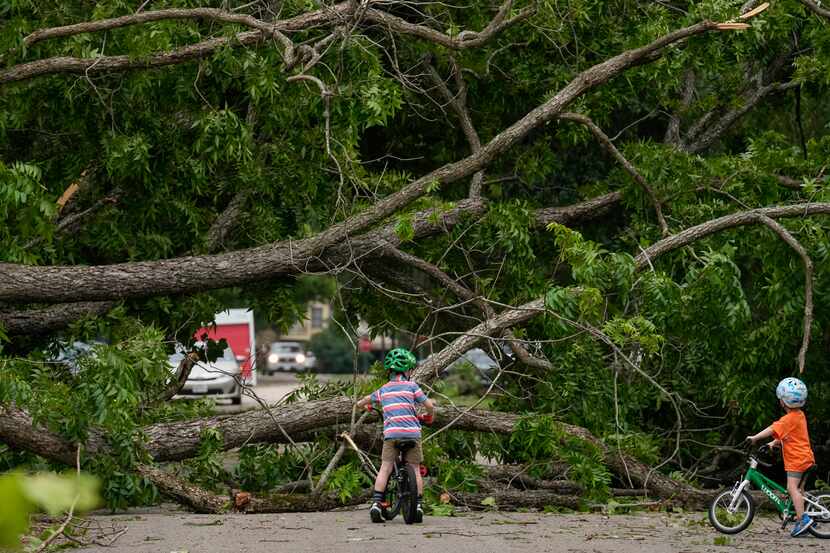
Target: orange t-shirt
(791, 430)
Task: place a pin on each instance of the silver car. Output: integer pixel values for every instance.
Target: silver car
(219, 379)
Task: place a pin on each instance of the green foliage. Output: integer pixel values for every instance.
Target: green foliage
(634, 330)
(310, 388)
(458, 475)
(262, 467)
(641, 446)
(348, 480)
(206, 467)
(441, 509)
(333, 350)
(539, 439)
(22, 494)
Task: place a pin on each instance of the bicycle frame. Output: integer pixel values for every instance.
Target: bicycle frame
(771, 489)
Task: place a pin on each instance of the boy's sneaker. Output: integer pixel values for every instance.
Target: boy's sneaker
(376, 512)
(802, 525)
(419, 513)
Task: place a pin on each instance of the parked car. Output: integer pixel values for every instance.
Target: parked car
(219, 379)
(484, 367)
(72, 354)
(289, 356)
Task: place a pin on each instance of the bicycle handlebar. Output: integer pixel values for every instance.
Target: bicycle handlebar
(763, 463)
(762, 450)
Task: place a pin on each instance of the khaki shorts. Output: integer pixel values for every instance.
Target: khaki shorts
(390, 454)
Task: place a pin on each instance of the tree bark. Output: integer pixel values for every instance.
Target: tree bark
(693, 234)
(35, 322)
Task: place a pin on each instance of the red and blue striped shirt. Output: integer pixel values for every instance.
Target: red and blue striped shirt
(398, 398)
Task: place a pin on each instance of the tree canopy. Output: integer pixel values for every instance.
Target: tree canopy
(624, 202)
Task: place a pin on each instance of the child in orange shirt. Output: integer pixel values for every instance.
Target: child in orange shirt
(790, 433)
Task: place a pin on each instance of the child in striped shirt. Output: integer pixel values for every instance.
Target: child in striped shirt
(398, 399)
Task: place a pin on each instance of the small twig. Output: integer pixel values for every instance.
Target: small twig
(71, 513)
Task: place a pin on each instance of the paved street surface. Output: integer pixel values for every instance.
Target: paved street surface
(351, 532)
(271, 389)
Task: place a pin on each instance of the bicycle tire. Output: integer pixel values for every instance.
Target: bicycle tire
(717, 512)
(409, 495)
(821, 526)
(393, 497)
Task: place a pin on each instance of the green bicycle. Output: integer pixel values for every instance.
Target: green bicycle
(733, 509)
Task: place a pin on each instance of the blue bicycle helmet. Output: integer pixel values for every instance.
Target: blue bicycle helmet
(792, 392)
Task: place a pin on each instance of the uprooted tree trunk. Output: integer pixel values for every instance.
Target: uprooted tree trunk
(18, 430)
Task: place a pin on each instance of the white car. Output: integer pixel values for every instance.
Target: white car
(219, 379)
(289, 356)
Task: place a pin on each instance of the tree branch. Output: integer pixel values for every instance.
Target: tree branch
(262, 30)
(213, 14)
(816, 8)
(105, 64)
(606, 143)
(458, 103)
(182, 374)
(808, 282)
(673, 131)
(465, 39)
(140, 279)
(36, 322)
(225, 223)
(465, 293)
(72, 222)
(725, 122)
(693, 234)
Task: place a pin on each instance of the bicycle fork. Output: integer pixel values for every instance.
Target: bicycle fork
(737, 490)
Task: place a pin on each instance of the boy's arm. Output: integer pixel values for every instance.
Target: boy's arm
(765, 433)
(429, 405)
(364, 402)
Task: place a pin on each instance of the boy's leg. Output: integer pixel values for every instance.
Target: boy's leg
(803, 522)
(795, 495)
(414, 458)
(383, 477)
(418, 478)
(379, 495)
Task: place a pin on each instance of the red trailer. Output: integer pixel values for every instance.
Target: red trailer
(236, 326)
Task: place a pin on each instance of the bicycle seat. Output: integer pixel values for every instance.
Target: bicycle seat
(404, 445)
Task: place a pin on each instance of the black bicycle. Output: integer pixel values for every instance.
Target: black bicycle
(402, 488)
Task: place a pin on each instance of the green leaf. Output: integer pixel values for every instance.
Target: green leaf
(57, 493)
(15, 507)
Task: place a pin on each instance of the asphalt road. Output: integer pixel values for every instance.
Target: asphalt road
(492, 532)
(270, 389)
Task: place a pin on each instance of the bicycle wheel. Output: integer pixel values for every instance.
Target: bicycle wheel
(727, 522)
(409, 495)
(821, 527)
(393, 497)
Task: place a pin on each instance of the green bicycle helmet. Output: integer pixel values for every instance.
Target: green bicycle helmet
(399, 360)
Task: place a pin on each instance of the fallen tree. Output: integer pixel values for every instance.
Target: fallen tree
(243, 151)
